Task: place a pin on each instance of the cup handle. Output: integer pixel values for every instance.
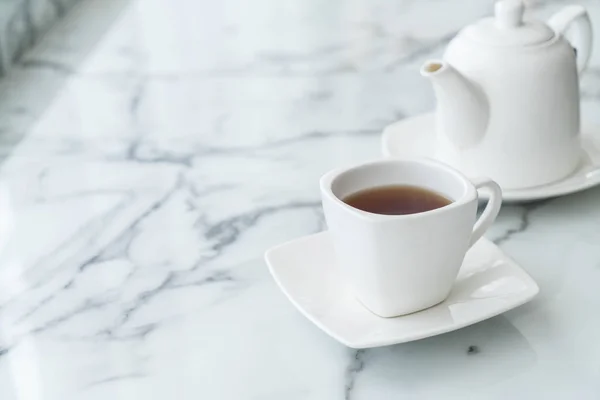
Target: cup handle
(487, 218)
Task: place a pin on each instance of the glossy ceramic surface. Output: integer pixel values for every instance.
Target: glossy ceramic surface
(489, 283)
(508, 99)
(416, 137)
(378, 252)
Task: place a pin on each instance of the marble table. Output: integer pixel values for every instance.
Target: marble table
(152, 150)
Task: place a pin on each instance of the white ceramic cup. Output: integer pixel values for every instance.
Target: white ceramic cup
(399, 264)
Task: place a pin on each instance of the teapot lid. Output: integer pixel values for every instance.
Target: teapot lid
(507, 27)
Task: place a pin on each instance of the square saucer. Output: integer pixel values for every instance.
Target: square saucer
(489, 283)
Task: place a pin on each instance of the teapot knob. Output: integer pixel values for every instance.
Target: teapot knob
(509, 13)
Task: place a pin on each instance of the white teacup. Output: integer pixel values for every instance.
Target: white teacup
(399, 264)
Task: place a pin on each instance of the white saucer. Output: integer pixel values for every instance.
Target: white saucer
(489, 283)
(415, 137)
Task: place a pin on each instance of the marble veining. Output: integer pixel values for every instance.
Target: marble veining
(23, 22)
(151, 151)
(354, 368)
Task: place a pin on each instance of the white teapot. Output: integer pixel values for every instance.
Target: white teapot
(508, 96)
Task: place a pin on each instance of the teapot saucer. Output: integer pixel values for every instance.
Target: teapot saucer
(415, 136)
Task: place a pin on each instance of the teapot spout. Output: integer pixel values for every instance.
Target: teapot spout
(462, 108)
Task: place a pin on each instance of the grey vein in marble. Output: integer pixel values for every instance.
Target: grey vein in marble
(23, 22)
(354, 368)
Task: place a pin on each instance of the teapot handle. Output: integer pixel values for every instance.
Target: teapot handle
(582, 29)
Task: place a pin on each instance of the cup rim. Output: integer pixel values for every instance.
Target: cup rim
(327, 180)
